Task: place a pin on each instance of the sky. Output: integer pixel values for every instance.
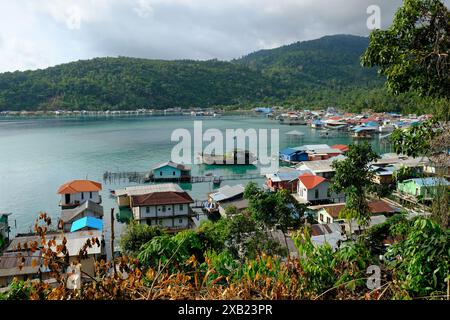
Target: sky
(40, 33)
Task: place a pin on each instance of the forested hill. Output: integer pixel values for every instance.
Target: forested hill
(331, 61)
(306, 74)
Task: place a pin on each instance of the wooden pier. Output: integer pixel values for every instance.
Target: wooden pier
(143, 177)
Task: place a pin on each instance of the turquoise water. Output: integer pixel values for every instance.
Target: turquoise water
(37, 156)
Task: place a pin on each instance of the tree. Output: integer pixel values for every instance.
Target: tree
(430, 139)
(413, 52)
(354, 178)
(136, 234)
(421, 261)
(272, 209)
(402, 174)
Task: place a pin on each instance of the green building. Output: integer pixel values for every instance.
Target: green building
(424, 187)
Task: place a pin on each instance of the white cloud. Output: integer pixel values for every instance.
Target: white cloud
(48, 32)
(143, 8)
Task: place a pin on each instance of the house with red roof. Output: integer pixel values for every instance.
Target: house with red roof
(344, 148)
(167, 206)
(315, 189)
(75, 192)
(79, 199)
(330, 213)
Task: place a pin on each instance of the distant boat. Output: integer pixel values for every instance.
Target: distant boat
(235, 157)
(293, 120)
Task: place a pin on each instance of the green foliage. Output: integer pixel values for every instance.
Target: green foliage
(173, 251)
(231, 211)
(415, 140)
(310, 74)
(18, 290)
(354, 177)
(274, 208)
(421, 261)
(413, 52)
(224, 264)
(136, 234)
(316, 261)
(214, 234)
(403, 173)
(352, 261)
(2, 241)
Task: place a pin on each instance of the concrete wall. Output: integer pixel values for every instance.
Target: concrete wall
(166, 172)
(168, 222)
(163, 211)
(81, 197)
(310, 195)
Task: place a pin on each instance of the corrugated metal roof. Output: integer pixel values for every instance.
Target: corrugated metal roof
(161, 198)
(87, 222)
(140, 190)
(429, 182)
(227, 192)
(76, 186)
(75, 241)
(172, 164)
(68, 214)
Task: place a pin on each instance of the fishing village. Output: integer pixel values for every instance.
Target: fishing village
(157, 198)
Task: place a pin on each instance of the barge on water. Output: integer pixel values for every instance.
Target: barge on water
(235, 157)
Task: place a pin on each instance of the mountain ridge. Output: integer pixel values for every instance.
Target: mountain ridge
(313, 73)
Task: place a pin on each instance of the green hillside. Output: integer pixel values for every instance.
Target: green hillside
(308, 74)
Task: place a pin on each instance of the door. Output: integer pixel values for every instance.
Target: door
(67, 200)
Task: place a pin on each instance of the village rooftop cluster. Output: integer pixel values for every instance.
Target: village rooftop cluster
(307, 174)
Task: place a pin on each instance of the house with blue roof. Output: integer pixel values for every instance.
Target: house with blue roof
(293, 155)
(87, 223)
(422, 187)
(171, 171)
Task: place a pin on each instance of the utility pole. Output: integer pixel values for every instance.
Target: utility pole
(112, 241)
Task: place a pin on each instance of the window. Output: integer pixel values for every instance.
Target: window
(160, 173)
(90, 194)
(164, 208)
(160, 222)
(147, 209)
(321, 217)
(173, 173)
(328, 220)
(316, 193)
(82, 196)
(180, 221)
(149, 222)
(181, 207)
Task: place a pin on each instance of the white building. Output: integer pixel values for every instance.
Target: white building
(321, 168)
(75, 192)
(332, 233)
(168, 209)
(313, 189)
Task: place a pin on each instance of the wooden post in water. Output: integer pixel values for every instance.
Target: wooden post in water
(112, 241)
